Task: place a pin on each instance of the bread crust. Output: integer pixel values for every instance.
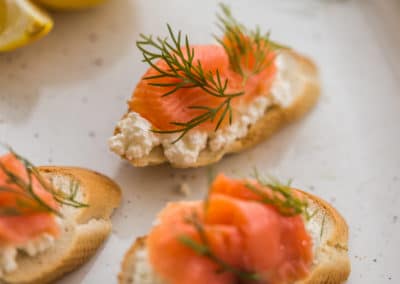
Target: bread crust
(274, 119)
(334, 267)
(102, 193)
(332, 253)
(128, 263)
(82, 233)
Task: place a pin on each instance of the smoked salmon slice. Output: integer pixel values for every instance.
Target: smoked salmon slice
(180, 264)
(242, 233)
(161, 111)
(21, 218)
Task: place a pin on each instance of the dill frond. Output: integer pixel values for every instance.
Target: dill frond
(202, 248)
(27, 198)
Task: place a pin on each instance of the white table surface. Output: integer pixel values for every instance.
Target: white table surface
(61, 97)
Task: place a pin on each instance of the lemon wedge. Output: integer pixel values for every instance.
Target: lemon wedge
(21, 22)
(68, 5)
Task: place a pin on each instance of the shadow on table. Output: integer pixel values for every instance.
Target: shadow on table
(147, 190)
(81, 46)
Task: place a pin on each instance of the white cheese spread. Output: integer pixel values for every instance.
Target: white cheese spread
(8, 254)
(239, 127)
(143, 272)
(136, 140)
(186, 150)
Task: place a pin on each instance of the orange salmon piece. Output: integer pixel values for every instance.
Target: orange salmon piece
(30, 222)
(177, 263)
(257, 225)
(241, 231)
(147, 100)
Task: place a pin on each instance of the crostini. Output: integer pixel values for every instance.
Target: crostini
(246, 231)
(197, 103)
(52, 219)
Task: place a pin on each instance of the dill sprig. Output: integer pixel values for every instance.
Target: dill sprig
(322, 227)
(202, 248)
(249, 51)
(70, 198)
(186, 73)
(27, 198)
(281, 196)
(9, 211)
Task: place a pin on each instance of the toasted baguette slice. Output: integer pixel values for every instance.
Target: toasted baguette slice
(327, 228)
(306, 93)
(83, 229)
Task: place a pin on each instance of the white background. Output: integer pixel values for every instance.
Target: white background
(61, 97)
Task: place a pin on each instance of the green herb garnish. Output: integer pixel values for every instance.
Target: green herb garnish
(249, 51)
(186, 73)
(27, 197)
(322, 227)
(202, 248)
(281, 196)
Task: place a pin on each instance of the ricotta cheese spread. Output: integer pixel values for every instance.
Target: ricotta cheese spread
(286, 80)
(239, 127)
(319, 229)
(8, 254)
(136, 140)
(143, 272)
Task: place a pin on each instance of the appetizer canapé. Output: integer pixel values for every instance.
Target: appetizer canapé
(52, 219)
(197, 103)
(246, 231)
